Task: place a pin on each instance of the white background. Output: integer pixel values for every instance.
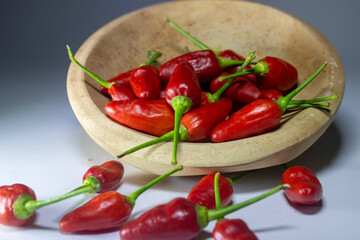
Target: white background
(43, 146)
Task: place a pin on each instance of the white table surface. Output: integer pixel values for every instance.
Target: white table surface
(43, 145)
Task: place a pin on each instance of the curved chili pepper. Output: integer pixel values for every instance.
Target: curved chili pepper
(232, 229)
(155, 117)
(121, 79)
(145, 82)
(183, 93)
(305, 188)
(257, 117)
(195, 125)
(118, 92)
(203, 192)
(105, 211)
(10, 196)
(180, 219)
(109, 174)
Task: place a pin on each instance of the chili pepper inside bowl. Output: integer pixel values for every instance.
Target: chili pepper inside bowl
(124, 43)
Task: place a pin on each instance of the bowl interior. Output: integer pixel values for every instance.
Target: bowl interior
(241, 26)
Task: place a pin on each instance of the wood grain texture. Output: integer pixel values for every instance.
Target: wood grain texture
(242, 26)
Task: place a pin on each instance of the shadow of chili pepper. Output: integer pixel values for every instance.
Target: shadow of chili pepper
(307, 209)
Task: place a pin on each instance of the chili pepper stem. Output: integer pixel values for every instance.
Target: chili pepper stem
(284, 101)
(133, 196)
(152, 57)
(181, 105)
(201, 45)
(316, 100)
(217, 191)
(307, 105)
(183, 136)
(234, 75)
(25, 206)
(219, 213)
(216, 96)
(95, 77)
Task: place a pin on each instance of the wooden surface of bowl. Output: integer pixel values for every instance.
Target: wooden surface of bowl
(241, 26)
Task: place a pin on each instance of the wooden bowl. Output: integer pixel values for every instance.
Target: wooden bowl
(241, 26)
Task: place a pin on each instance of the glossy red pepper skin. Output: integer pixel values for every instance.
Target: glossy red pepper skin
(305, 188)
(232, 229)
(176, 220)
(120, 92)
(281, 75)
(253, 119)
(203, 192)
(200, 121)
(240, 91)
(121, 79)
(204, 62)
(8, 195)
(105, 211)
(109, 174)
(145, 82)
(155, 117)
(271, 94)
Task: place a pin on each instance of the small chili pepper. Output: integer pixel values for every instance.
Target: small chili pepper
(109, 174)
(203, 192)
(305, 188)
(257, 117)
(180, 219)
(195, 125)
(105, 211)
(121, 79)
(229, 229)
(183, 93)
(118, 92)
(10, 196)
(155, 117)
(21, 201)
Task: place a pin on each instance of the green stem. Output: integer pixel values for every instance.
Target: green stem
(234, 75)
(25, 206)
(152, 58)
(216, 96)
(307, 105)
(237, 179)
(133, 196)
(183, 136)
(315, 100)
(181, 105)
(201, 45)
(95, 77)
(220, 213)
(284, 101)
(217, 191)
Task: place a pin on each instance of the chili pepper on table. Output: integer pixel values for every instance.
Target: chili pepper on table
(19, 202)
(257, 117)
(9, 195)
(105, 211)
(195, 125)
(155, 117)
(183, 92)
(305, 188)
(229, 229)
(180, 219)
(203, 193)
(118, 92)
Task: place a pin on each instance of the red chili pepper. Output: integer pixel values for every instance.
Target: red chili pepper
(271, 94)
(203, 193)
(232, 229)
(257, 117)
(109, 174)
(155, 117)
(10, 195)
(179, 219)
(195, 125)
(145, 82)
(305, 188)
(183, 93)
(105, 211)
(281, 75)
(121, 79)
(118, 92)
